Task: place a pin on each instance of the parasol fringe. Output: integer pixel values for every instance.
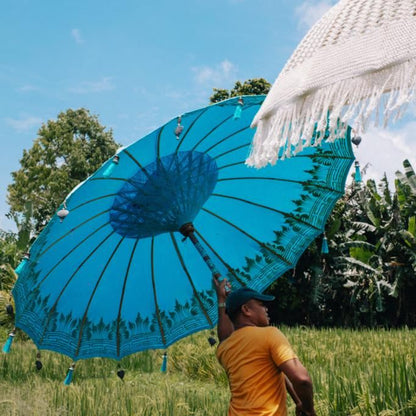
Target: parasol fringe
(291, 127)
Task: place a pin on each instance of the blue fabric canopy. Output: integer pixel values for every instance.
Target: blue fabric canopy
(115, 276)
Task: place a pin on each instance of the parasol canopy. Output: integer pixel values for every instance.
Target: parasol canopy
(357, 61)
(114, 273)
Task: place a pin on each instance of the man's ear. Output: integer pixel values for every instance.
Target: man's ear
(245, 310)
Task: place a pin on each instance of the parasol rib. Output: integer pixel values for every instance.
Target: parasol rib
(285, 214)
(90, 201)
(189, 129)
(123, 291)
(230, 165)
(52, 309)
(159, 320)
(185, 269)
(226, 138)
(69, 253)
(249, 236)
(216, 127)
(210, 132)
(158, 141)
(231, 150)
(143, 169)
(72, 230)
(84, 318)
(312, 184)
(330, 156)
(109, 178)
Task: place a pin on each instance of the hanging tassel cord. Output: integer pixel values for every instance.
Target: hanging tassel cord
(69, 375)
(239, 109)
(110, 168)
(357, 175)
(324, 248)
(164, 366)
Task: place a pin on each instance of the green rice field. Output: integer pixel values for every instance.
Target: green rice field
(365, 372)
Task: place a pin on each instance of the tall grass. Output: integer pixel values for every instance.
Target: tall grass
(354, 373)
(367, 372)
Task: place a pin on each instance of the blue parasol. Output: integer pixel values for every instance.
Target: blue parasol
(122, 266)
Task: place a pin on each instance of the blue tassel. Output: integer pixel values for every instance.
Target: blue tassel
(110, 168)
(19, 268)
(8, 344)
(68, 378)
(238, 109)
(357, 171)
(21, 265)
(324, 248)
(164, 363)
(108, 172)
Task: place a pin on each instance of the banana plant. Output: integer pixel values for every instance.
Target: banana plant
(377, 247)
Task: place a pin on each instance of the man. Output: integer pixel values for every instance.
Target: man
(258, 359)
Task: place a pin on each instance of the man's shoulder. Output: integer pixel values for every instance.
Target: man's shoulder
(252, 331)
(270, 329)
(263, 332)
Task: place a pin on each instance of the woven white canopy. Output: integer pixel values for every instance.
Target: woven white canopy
(358, 60)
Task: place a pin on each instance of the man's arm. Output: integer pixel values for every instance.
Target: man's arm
(225, 327)
(302, 385)
(294, 396)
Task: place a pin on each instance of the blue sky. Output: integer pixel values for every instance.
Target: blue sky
(137, 64)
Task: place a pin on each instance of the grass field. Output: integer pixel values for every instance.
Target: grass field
(368, 372)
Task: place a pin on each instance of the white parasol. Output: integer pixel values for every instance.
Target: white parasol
(357, 61)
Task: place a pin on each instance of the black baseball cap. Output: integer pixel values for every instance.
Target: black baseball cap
(239, 297)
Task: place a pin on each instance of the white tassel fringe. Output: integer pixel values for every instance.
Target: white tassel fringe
(291, 127)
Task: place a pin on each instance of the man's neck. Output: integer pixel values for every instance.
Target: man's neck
(240, 325)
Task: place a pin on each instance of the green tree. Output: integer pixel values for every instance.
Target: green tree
(65, 153)
(374, 249)
(255, 86)
(369, 276)
(9, 257)
(12, 247)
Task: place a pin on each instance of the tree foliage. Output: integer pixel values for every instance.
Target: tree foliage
(369, 276)
(12, 247)
(255, 86)
(65, 153)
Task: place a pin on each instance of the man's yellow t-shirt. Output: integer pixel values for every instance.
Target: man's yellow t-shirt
(251, 356)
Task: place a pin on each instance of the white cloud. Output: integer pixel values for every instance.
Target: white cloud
(386, 149)
(310, 11)
(24, 124)
(76, 34)
(104, 84)
(221, 72)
